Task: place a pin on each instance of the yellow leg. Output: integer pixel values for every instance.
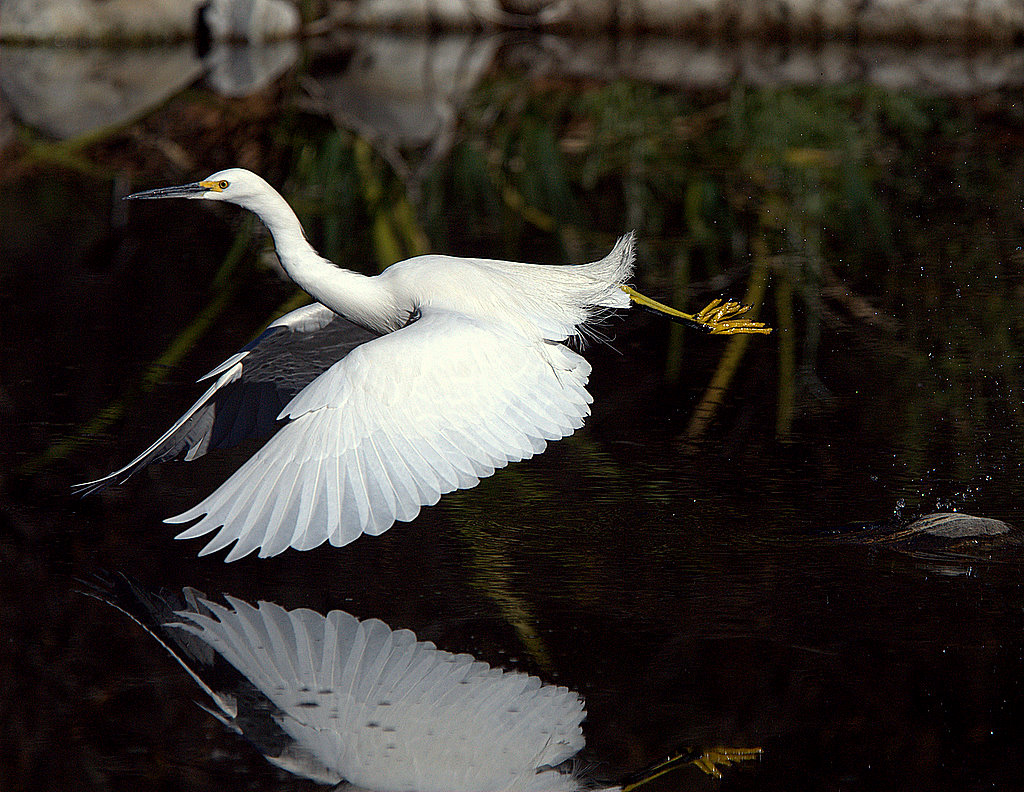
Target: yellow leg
(721, 317)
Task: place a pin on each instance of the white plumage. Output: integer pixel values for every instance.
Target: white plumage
(363, 448)
(432, 375)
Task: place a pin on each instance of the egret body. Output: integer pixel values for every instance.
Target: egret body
(397, 387)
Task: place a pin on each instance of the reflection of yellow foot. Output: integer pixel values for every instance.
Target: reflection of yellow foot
(709, 760)
(721, 317)
(713, 758)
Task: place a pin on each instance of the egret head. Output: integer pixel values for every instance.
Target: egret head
(234, 185)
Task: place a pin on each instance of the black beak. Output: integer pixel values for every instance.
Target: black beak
(193, 190)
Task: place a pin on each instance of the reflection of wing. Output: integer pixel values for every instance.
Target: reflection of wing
(428, 409)
(251, 387)
(388, 712)
(333, 698)
(237, 702)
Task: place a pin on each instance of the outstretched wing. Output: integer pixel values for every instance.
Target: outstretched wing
(251, 387)
(403, 419)
(385, 711)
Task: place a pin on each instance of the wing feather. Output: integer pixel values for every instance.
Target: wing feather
(408, 495)
(378, 500)
(419, 436)
(505, 435)
(428, 483)
(348, 529)
(305, 517)
(251, 387)
(360, 489)
(328, 477)
(401, 420)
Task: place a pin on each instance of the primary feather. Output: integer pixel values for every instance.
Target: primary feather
(250, 388)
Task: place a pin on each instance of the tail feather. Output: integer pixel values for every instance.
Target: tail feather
(570, 300)
(611, 273)
(607, 277)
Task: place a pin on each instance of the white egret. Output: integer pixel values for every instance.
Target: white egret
(337, 699)
(398, 387)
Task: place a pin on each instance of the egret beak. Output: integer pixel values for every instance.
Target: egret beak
(194, 190)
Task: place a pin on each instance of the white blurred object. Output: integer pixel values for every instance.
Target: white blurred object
(251, 20)
(89, 20)
(243, 69)
(146, 20)
(67, 92)
(405, 92)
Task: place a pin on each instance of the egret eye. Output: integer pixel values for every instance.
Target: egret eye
(222, 184)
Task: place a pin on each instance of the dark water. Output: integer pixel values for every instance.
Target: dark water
(689, 561)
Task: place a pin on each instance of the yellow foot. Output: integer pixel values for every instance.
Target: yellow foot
(713, 759)
(720, 317)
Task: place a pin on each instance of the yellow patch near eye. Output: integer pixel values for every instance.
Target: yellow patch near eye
(217, 186)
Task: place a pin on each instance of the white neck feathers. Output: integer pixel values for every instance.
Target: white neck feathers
(362, 299)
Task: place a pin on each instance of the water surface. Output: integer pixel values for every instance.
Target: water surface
(690, 561)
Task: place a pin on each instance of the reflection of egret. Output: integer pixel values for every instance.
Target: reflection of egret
(461, 372)
(338, 699)
(334, 699)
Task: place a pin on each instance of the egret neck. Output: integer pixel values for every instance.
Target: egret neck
(360, 298)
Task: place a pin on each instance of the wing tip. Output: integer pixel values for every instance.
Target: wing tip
(86, 488)
(185, 517)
